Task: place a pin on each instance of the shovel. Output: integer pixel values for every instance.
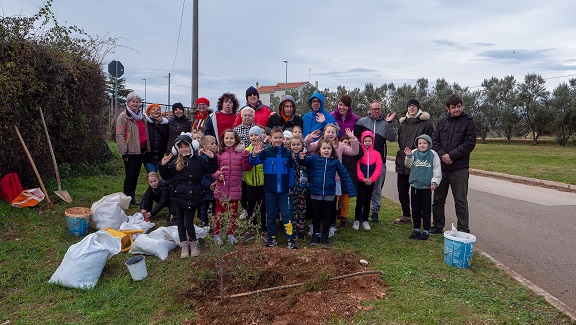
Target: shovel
(32, 163)
(63, 194)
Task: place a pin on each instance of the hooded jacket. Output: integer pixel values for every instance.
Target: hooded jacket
(279, 119)
(382, 129)
(424, 166)
(177, 125)
(370, 165)
(322, 175)
(346, 121)
(231, 164)
(278, 169)
(309, 119)
(408, 130)
(455, 136)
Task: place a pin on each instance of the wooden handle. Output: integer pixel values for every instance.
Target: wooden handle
(32, 163)
(51, 150)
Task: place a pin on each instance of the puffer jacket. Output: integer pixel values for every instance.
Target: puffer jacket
(278, 169)
(455, 136)
(408, 130)
(160, 194)
(186, 184)
(127, 135)
(254, 176)
(322, 175)
(370, 165)
(231, 164)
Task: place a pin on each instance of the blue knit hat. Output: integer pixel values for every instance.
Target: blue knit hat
(255, 130)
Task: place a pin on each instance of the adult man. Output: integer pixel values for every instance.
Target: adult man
(318, 118)
(383, 130)
(261, 112)
(414, 124)
(286, 117)
(453, 139)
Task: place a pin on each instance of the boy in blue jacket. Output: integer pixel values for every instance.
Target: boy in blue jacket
(278, 179)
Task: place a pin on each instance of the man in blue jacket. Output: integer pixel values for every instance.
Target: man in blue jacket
(318, 118)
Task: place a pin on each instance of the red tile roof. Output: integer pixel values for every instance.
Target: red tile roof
(281, 86)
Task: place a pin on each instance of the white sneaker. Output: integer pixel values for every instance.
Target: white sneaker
(218, 240)
(356, 225)
(311, 231)
(332, 231)
(243, 214)
(366, 225)
(232, 240)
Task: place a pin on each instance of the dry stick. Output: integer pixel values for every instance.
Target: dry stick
(32, 163)
(299, 284)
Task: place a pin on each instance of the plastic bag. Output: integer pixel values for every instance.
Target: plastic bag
(84, 261)
(28, 198)
(108, 212)
(162, 240)
(136, 222)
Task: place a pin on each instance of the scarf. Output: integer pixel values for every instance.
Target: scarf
(137, 116)
(199, 120)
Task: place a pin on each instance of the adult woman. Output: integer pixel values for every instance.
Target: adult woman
(222, 119)
(132, 140)
(177, 124)
(158, 134)
(344, 115)
(201, 116)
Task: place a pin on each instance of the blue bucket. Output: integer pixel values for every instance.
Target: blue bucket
(458, 248)
(78, 221)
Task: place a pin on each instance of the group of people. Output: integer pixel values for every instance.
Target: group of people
(279, 165)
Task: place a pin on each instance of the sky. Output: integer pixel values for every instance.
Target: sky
(333, 42)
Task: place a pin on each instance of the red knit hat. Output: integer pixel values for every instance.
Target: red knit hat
(203, 100)
(150, 108)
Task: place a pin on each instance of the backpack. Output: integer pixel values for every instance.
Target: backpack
(10, 187)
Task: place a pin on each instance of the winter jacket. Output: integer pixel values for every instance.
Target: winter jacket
(199, 120)
(160, 194)
(215, 130)
(261, 114)
(127, 135)
(301, 178)
(158, 134)
(370, 165)
(177, 125)
(186, 184)
(278, 119)
(382, 129)
(309, 119)
(347, 121)
(278, 169)
(455, 136)
(408, 130)
(231, 164)
(424, 166)
(322, 175)
(352, 150)
(255, 175)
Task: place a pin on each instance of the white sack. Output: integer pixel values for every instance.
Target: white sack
(108, 212)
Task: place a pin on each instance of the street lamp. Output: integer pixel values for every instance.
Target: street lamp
(144, 90)
(309, 75)
(286, 84)
(168, 88)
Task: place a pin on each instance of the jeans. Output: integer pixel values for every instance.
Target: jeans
(280, 201)
(377, 193)
(150, 167)
(458, 181)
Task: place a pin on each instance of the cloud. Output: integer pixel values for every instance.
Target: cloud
(516, 55)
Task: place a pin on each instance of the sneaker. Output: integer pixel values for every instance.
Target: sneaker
(343, 222)
(415, 234)
(356, 225)
(218, 240)
(271, 242)
(423, 236)
(366, 225)
(292, 245)
(232, 240)
(243, 214)
(375, 217)
(436, 231)
(332, 231)
(325, 242)
(403, 220)
(248, 236)
(315, 240)
(311, 231)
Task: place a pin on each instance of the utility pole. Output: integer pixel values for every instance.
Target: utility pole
(144, 91)
(194, 56)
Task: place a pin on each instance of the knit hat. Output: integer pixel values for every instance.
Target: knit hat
(186, 137)
(255, 130)
(177, 105)
(413, 102)
(152, 106)
(251, 90)
(287, 134)
(203, 100)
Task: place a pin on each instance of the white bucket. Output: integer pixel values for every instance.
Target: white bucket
(137, 267)
(458, 248)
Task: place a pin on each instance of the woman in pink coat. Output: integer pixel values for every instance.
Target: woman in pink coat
(232, 160)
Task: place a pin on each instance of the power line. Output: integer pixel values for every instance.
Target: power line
(178, 41)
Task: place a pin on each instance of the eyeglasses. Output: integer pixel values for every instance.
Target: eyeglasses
(254, 94)
(375, 108)
(315, 101)
(202, 105)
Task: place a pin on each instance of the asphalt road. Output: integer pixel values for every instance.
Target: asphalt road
(529, 229)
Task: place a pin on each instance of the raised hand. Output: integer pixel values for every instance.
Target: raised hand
(349, 133)
(302, 155)
(257, 149)
(240, 147)
(390, 117)
(316, 133)
(166, 159)
(320, 118)
(407, 151)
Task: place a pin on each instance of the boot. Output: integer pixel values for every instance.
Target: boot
(194, 250)
(185, 249)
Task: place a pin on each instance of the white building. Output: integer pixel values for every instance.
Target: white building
(267, 93)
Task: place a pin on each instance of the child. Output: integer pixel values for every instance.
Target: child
(296, 131)
(323, 167)
(350, 163)
(278, 178)
(185, 171)
(425, 176)
(158, 191)
(254, 179)
(287, 137)
(369, 168)
(208, 142)
(232, 160)
(300, 190)
(197, 135)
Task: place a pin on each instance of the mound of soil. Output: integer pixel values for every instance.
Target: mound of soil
(249, 268)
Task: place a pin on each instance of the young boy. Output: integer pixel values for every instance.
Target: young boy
(425, 176)
(208, 142)
(278, 179)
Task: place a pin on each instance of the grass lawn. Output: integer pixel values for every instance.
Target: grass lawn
(422, 288)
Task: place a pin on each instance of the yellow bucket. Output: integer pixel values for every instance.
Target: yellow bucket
(125, 237)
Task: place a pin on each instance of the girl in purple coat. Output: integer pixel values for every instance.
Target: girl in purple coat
(232, 160)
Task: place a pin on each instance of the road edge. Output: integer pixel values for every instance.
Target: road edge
(527, 180)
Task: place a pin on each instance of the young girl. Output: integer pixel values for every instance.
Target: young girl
(369, 168)
(185, 172)
(232, 159)
(296, 131)
(158, 191)
(300, 190)
(254, 179)
(323, 167)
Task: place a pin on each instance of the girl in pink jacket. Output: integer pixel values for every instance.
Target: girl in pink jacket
(369, 168)
(232, 160)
